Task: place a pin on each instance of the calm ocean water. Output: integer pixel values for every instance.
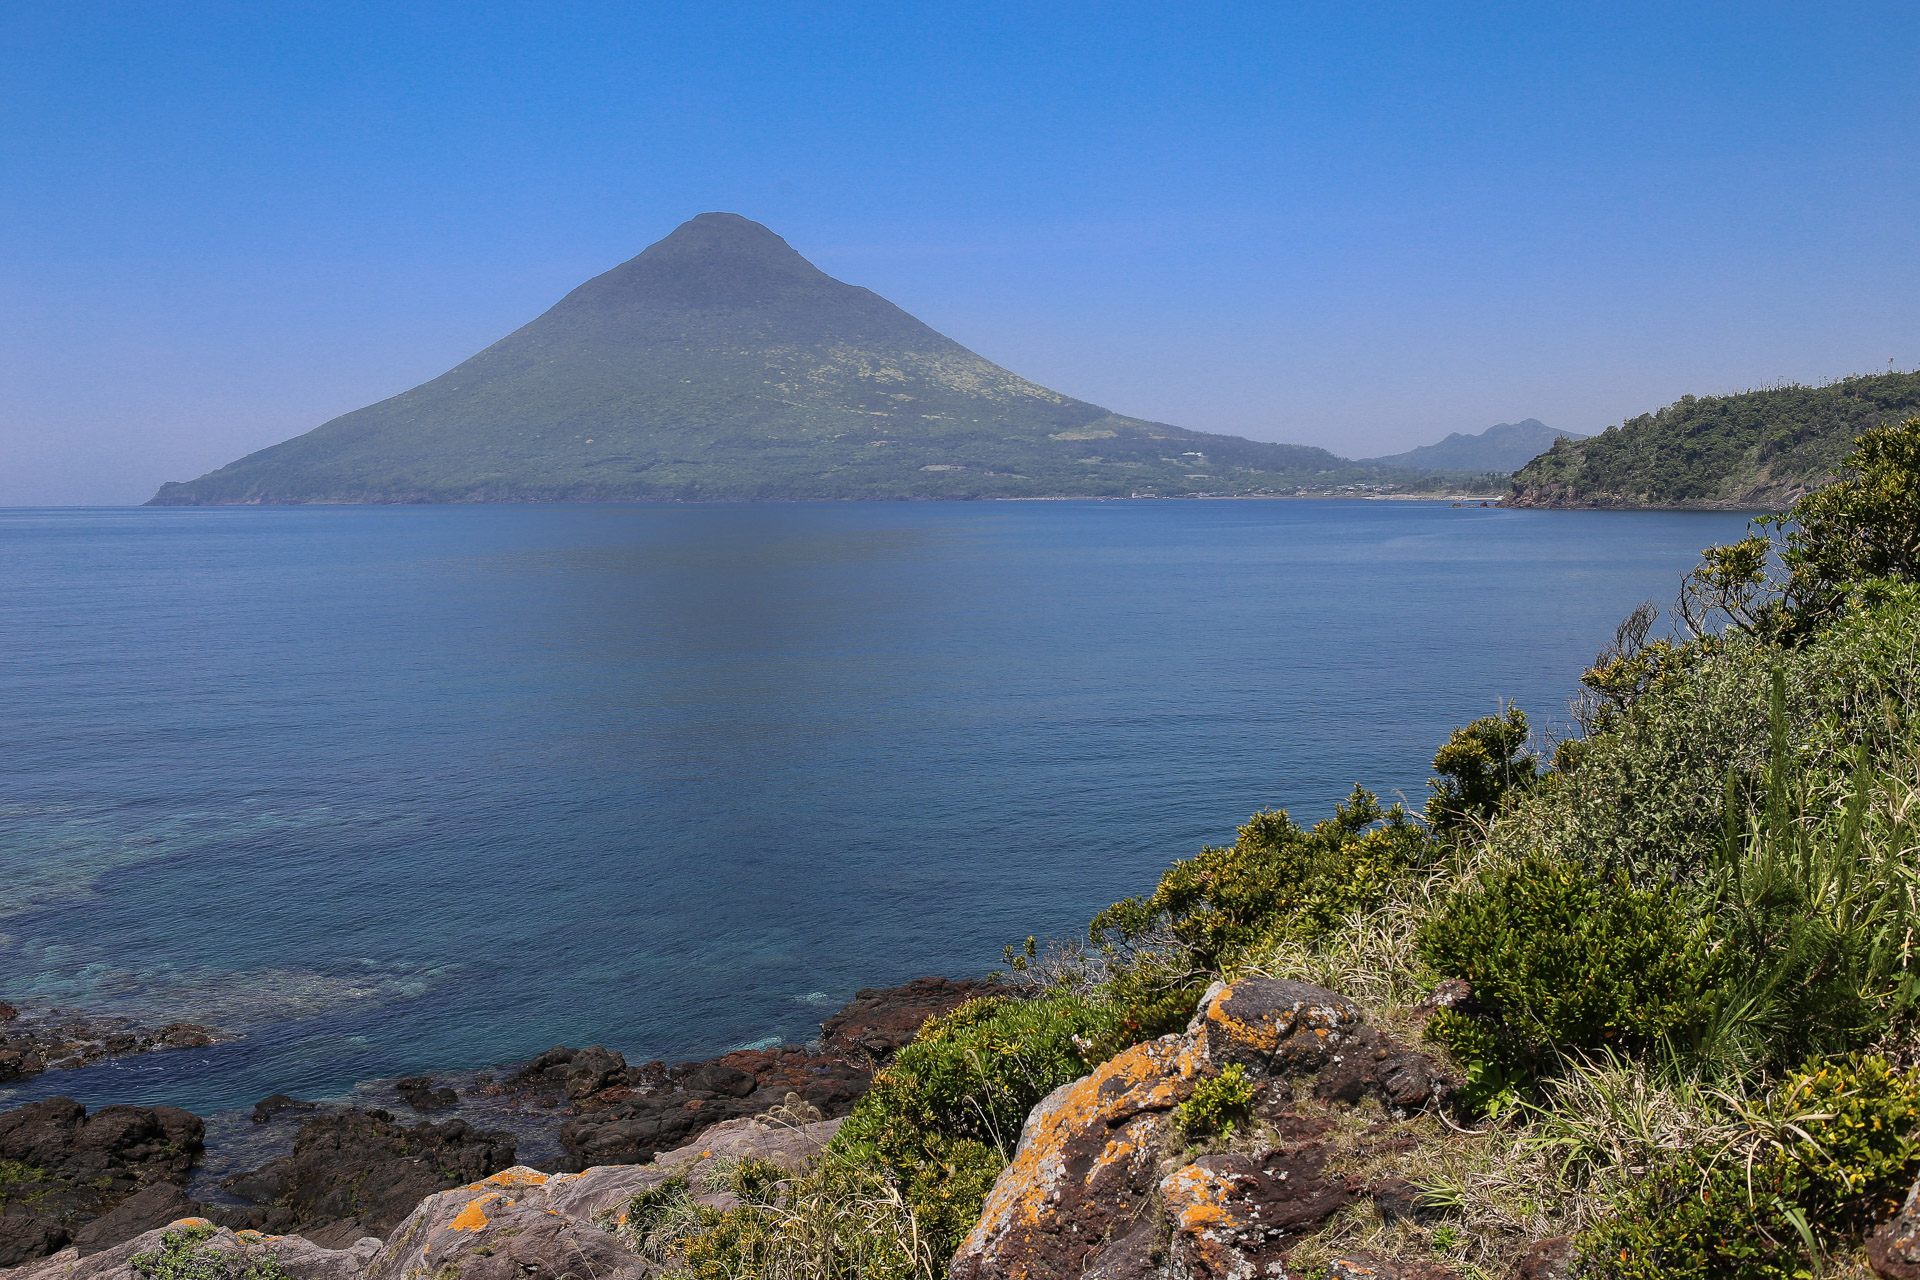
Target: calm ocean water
(418, 789)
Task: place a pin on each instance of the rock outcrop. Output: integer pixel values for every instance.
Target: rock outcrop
(75, 1172)
(1098, 1186)
(1894, 1250)
(359, 1173)
(879, 1021)
(621, 1114)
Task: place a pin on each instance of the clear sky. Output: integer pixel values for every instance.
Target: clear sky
(1357, 226)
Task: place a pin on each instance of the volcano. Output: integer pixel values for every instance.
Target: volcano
(721, 364)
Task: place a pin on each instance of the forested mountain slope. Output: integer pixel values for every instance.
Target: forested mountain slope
(1756, 449)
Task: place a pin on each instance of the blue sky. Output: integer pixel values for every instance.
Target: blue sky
(1358, 226)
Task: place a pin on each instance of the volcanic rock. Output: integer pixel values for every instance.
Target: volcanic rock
(360, 1172)
(1086, 1167)
(298, 1259)
(879, 1021)
(1237, 1216)
(81, 1168)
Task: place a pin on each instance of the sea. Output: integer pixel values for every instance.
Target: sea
(395, 790)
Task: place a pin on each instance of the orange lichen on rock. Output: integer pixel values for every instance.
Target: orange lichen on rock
(518, 1176)
(1086, 1163)
(472, 1217)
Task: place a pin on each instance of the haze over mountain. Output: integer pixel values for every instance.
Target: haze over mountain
(720, 363)
(1503, 447)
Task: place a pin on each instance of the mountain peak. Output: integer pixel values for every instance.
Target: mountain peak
(713, 261)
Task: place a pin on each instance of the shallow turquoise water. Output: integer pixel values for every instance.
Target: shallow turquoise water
(422, 788)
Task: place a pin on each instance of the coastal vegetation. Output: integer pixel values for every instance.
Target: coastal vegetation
(1753, 449)
(1682, 948)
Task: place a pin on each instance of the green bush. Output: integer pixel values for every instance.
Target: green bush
(1276, 881)
(1769, 1209)
(943, 1119)
(1566, 960)
(1478, 768)
(1645, 795)
(1219, 1104)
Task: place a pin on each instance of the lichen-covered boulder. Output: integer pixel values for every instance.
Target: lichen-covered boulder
(299, 1258)
(1086, 1168)
(1236, 1217)
(522, 1224)
(500, 1228)
(1272, 1026)
(601, 1194)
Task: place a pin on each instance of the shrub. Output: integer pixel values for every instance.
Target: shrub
(1563, 959)
(1218, 1104)
(943, 1119)
(1275, 881)
(1646, 795)
(1479, 767)
(1863, 526)
(1831, 1155)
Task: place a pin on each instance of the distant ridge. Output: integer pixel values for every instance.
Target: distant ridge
(720, 364)
(1503, 447)
(1753, 450)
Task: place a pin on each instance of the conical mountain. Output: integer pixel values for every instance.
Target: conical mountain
(722, 364)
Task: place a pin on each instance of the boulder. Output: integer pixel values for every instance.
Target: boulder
(141, 1212)
(299, 1259)
(1086, 1167)
(272, 1105)
(1235, 1217)
(878, 1021)
(522, 1224)
(1272, 1026)
(422, 1094)
(1091, 1189)
(82, 1168)
(359, 1173)
(24, 1238)
(500, 1228)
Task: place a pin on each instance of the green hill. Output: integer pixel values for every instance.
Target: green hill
(721, 364)
(1757, 449)
(1503, 447)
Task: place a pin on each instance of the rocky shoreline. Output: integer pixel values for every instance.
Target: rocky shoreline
(1105, 1182)
(86, 1183)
